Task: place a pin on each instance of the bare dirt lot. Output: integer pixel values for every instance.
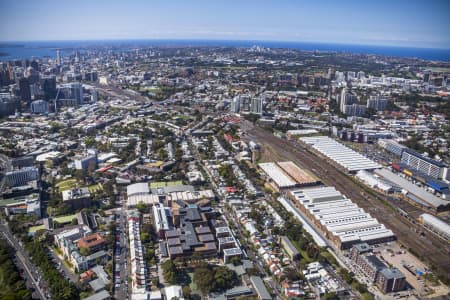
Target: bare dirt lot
(395, 256)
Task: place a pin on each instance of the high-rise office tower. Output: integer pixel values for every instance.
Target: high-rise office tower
(24, 88)
(426, 76)
(48, 84)
(256, 105)
(235, 104)
(35, 65)
(71, 94)
(346, 99)
(58, 57)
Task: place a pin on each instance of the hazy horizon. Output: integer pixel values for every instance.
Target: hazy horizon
(6, 42)
(400, 23)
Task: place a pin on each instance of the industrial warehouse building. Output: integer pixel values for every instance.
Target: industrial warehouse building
(338, 218)
(392, 146)
(351, 161)
(285, 175)
(414, 194)
(376, 182)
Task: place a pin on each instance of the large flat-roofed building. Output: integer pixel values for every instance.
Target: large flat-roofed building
(392, 146)
(302, 177)
(260, 288)
(138, 188)
(426, 165)
(77, 197)
(83, 163)
(285, 175)
(190, 196)
(279, 179)
(21, 176)
(140, 192)
(338, 218)
(192, 233)
(415, 194)
(160, 214)
(343, 156)
(25, 204)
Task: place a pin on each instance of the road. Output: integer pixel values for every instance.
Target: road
(120, 266)
(227, 216)
(63, 268)
(34, 275)
(430, 248)
(5, 166)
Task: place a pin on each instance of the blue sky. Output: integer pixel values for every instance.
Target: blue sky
(382, 22)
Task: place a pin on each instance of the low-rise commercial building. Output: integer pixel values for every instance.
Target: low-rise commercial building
(77, 198)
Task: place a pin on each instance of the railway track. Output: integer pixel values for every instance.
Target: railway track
(428, 248)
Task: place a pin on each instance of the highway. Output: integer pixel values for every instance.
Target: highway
(431, 248)
(25, 261)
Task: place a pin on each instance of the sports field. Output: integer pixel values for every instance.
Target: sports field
(160, 184)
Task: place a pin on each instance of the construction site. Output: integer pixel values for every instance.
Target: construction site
(397, 215)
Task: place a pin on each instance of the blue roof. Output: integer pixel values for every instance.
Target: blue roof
(437, 185)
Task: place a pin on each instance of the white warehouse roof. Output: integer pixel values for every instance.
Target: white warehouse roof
(275, 173)
(138, 188)
(342, 155)
(412, 188)
(341, 217)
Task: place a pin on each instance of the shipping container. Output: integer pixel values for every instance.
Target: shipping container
(407, 172)
(396, 167)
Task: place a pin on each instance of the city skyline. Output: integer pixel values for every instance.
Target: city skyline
(403, 24)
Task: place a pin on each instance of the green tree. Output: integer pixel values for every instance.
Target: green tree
(84, 251)
(89, 142)
(330, 296)
(187, 292)
(169, 271)
(142, 207)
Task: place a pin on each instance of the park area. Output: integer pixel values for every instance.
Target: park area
(67, 184)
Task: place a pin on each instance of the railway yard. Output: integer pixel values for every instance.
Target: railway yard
(397, 215)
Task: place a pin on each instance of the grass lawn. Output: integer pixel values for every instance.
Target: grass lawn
(65, 219)
(67, 184)
(193, 286)
(95, 188)
(303, 253)
(153, 90)
(35, 228)
(160, 184)
(184, 117)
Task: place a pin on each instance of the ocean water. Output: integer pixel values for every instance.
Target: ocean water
(23, 50)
